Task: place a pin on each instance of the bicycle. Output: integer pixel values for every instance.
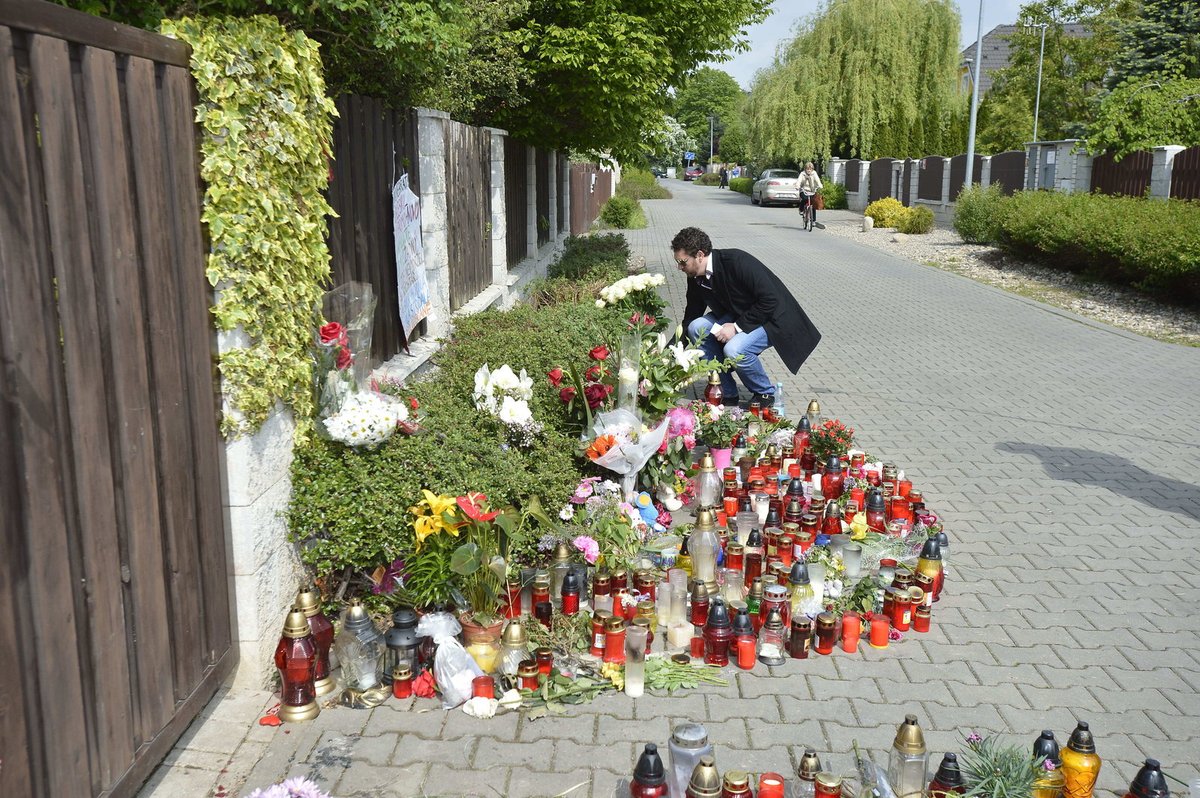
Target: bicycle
(808, 210)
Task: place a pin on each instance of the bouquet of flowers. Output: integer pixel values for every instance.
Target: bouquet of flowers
(505, 396)
(668, 466)
(636, 292)
(830, 437)
(333, 378)
(717, 426)
(587, 392)
(666, 368)
(600, 524)
(366, 419)
(620, 444)
(390, 386)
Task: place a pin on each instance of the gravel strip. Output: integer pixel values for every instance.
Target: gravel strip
(1119, 307)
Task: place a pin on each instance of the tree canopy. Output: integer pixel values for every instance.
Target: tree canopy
(861, 78)
(577, 74)
(706, 92)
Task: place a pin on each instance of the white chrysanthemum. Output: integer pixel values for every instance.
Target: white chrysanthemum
(515, 411)
(366, 419)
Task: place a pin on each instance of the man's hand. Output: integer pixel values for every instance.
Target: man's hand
(724, 332)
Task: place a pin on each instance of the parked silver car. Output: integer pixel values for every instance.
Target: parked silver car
(776, 186)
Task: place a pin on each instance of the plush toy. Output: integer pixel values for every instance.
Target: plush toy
(645, 507)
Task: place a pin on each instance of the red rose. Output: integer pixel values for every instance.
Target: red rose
(595, 395)
(344, 359)
(331, 333)
(556, 377)
(594, 372)
(567, 395)
(413, 403)
(599, 353)
(648, 320)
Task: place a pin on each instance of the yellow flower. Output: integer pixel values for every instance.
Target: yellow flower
(426, 525)
(858, 527)
(438, 504)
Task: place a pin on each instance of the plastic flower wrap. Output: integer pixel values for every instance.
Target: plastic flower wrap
(620, 445)
(292, 788)
(366, 419)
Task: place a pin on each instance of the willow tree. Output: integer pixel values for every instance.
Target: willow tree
(862, 78)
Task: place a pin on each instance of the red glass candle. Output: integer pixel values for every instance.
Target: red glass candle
(735, 556)
(898, 508)
(570, 595)
(826, 633)
(804, 542)
(716, 645)
(921, 619)
(544, 612)
(851, 631)
(770, 785)
(901, 611)
(889, 600)
(828, 786)
(697, 647)
(602, 584)
(880, 626)
(876, 520)
(402, 678)
(483, 687)
(296, 659)
(614, 640)
(545, 660)
(905, 487)
(598, 619)
(527, 674)
(730, 504)
(858, 496)
(833, 484)
(832, 525)
(754, 563)
(800, 638)
(787, 553)
(746, 656)
(699, 610)
(713, 393)
(541, 591)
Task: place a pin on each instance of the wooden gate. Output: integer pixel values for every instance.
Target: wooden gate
(879, 179)
(1185, 174)
(591, 187)
(1008, 171)
(1129, 176)
(372, 146)
(468, 210)
(114, 595)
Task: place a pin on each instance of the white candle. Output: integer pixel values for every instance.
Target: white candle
(679, 635)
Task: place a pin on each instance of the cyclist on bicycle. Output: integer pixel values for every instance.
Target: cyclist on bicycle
(809, 184)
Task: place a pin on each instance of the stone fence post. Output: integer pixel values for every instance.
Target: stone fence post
(1160, 172)
(499, 213)
(835, 171)
(431, 154)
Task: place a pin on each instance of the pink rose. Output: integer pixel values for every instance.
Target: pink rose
(589, 547)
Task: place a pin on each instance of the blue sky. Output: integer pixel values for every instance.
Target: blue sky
(780, 26)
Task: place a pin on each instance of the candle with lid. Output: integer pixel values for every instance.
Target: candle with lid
(649, 775)
(826, 632)
(772, 640)
(806, 774)
(308, 601)
(1149, 782)
(930, 564)
(708, 483)
(828, 785)
(1080, 764)
(947, 780)
(718, 633)
(736, 784)
(800, 637)
(402, 677)
(702, 543)
(908, 761)
(1049, 783)
(705, 781)
(712, 391)
(296, 659)
(359, 648)
(514, 642)
(614, 640)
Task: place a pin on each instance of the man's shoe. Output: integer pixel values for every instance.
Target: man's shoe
(764, 399)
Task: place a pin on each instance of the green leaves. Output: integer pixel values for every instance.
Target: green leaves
(664, 674)
(466, 559)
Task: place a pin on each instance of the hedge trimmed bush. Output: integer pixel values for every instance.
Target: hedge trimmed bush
(916, 220)
(886, 212)
(976, 212)
(641, 185)
(624, 212)
(708, 179)
(834, 194)
(742, 185)
(591, 256)
(1149, 244)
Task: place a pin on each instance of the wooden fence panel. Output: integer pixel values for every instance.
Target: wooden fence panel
(1008, 171)
(958, 174)
(852, 174)
(516, 201)
(112, 508)
(543, 195)
(590, 189)
(1185, 174)
(929, 181)
(468, 210)
(372, 146)
(1129, 176)
(906, 181)
(879, 180)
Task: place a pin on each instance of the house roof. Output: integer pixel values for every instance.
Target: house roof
(997, 50)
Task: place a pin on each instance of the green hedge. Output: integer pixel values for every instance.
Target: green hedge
(708, 179)
(624, 212)
(591, 256)
(641, 185)
(916, 220)
(834, 194)
(741, 184)
(976, 212)
(1149, 244)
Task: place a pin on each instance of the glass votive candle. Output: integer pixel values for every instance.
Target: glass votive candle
(762, 503)
(545, 660)
(921, 619)
(544, 612)
(816, 575)
(880, 626)
(734, 589)
(730, 506)
(527, 673)
(838, 543)
(770, 785)
(851, 631)
(826, 633)
(665, 594)
(679, 635)
(887, 571)
(697, 645)
(483, 687)
(852, 559)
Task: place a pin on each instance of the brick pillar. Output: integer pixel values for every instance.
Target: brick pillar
(431, 155)
(499, 214)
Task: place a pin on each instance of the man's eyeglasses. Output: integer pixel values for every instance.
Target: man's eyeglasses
(683, 262)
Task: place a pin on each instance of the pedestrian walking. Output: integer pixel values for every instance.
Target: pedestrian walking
(748, 310)
(724, 177)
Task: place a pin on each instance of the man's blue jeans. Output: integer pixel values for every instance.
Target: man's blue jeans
(747, 344)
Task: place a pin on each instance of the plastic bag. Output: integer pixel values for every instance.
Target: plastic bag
(454, 670)
(438, 624)
(627, 459)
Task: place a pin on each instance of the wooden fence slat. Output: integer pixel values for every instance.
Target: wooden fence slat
(122, 302)
(198, 564)
(163, 335)
(1185, 174)
(63, 23)
(25, 298)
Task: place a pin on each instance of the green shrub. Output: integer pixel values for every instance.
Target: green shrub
(741, 185)
(886, 212)
(623, 212)
(834, 194)
(918, 220)
(975, 213)
(708, 179)
(641, 185)
(1149, 244)
(598, 256)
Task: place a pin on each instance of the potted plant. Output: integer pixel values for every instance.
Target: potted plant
(828, 438)
(479, 572)
(716, 427)
(427, 576)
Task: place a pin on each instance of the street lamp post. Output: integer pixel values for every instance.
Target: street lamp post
(711, 119)
(975, 99)
(1037, 103)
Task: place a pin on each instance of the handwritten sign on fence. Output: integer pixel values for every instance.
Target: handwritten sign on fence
(413, 291)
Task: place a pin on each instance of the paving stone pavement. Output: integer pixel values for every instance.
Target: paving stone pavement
(1064, 456)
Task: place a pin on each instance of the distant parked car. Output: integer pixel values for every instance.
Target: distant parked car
(776, 186)
(692, 172)
(658, 171)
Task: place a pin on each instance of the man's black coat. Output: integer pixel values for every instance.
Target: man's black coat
(744, 288)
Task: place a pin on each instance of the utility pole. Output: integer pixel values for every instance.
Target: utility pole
(711, 120)
(1037, 103)
(975, 99)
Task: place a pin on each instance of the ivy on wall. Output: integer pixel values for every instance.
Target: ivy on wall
(267, 139)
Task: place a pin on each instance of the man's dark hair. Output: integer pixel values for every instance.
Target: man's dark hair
(691, 240)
